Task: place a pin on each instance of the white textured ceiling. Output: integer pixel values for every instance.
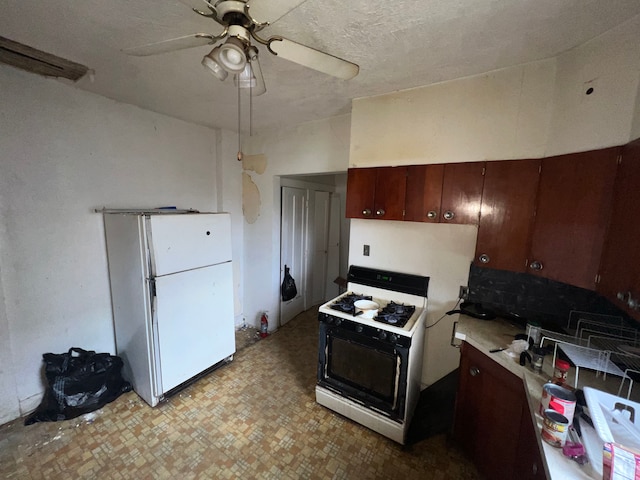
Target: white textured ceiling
(397, 43)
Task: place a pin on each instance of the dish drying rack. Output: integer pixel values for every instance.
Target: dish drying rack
(598, 342)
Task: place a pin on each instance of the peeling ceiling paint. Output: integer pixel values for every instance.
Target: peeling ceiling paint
(398, 44)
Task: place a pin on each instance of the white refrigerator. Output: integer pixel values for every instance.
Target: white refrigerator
(172, 296)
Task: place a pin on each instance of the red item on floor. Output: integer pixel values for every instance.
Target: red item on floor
(264, 325)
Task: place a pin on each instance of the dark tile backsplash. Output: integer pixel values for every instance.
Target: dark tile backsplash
(535, 298)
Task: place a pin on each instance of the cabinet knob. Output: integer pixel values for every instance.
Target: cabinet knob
(432, 214)
(535, 265)
(633, 303)
(474, 371)
(484, 258)
(448, 215)
(366, 212)
(622, 296)
(380, 212)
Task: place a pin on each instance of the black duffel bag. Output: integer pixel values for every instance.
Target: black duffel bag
(78, 382)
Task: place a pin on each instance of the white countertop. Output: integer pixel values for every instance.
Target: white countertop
(486, 335)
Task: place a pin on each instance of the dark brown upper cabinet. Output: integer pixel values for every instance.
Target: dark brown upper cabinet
(462, 192)
(424, 193)
(444, 193)
(507, 214)
(620, 266)
(572, 214)
(376, 193)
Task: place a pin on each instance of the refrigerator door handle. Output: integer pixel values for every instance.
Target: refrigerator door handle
(152, 289)
(156, 366)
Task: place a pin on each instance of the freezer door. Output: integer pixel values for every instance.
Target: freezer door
(183, 242)
(194, 322)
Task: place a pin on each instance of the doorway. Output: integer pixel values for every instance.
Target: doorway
(311, 239)
(293, 245)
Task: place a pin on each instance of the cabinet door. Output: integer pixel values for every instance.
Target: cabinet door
(620, 265)
(574, 202)
(529, 464)
(462, 192)
(361, 188)
(507, 214)
(424, 193)
(489, 408)
(391, 184)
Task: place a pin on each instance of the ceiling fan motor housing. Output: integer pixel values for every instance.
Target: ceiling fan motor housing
(239, 32)
(232, 13)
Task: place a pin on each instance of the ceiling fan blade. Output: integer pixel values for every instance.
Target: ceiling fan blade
(312, 58)
(271, 10)
(173, 44)
(198, 5)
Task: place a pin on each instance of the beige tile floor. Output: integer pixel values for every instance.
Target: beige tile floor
(255, 417)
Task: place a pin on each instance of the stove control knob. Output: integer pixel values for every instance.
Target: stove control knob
(359, 328)
(393, 338)
(329, 319)
(382, 335)
(338, 322)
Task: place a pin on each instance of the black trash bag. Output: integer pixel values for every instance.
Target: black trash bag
(288, 290)
(78, 382)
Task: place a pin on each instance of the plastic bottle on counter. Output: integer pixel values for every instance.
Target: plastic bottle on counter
(560, 372)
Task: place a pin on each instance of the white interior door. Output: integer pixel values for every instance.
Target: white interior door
(320, 236)
(195, 328)
(293, 247)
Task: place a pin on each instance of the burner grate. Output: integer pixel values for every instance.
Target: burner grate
(346, 303)
(397, 314)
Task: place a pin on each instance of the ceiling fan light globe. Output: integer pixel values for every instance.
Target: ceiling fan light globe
(231, 56)
(214, 67)
(246, 78)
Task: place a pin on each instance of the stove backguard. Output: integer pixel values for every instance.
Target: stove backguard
(392, 281)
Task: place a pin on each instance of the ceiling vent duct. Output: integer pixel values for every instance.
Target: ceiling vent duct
(36, 61)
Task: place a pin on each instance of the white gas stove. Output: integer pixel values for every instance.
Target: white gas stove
(370, 362)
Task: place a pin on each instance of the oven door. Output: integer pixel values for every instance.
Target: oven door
(357, 364)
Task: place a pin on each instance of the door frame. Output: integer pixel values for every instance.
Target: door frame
(310, 187)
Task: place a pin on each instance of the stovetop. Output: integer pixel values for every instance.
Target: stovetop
(391, 313)
(414, 307)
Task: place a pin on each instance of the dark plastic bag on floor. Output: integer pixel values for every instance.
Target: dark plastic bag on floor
(78, 382)
(288, 290)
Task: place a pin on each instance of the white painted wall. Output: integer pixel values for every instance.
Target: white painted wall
(229, 199)
(9, 405)
(64, 152)
(313, 148)
(499, 115)
(441, 252)
(610, 64)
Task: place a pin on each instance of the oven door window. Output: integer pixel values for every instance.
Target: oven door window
(364, 368)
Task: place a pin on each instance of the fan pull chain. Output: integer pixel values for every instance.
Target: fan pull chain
(239, 132)
(251, 104)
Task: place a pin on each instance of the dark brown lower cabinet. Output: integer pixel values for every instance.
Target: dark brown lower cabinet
(491, 420)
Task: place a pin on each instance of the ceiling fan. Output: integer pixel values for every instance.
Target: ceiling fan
(236, 54)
